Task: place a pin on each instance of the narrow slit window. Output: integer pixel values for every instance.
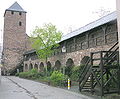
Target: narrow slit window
(20, 23)
(20, 13)
(92, 36)
(12, 12)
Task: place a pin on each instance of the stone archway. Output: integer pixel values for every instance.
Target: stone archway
(26, 67)
(30, 66)
(41, 67)
(69, 66)
(69, 63)
(49, 66)
(57, 65)
(36, 66)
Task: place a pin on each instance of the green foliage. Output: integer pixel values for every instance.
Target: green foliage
(57, 78)
(45, 39)
(62, 69)
(17, 74)
(32, 74)
(75, 73)
(24, 74)
(68, 70)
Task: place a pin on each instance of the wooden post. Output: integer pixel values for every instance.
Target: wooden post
(104, 33)
(92, 82)
(107, 77)
(101, 68)
(95, 41)
(87, 42)
(118, 25)
(74, 40)
(118, 74)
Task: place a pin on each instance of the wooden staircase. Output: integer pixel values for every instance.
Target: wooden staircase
(101, 71)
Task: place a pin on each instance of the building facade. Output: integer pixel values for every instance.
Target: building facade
(76, 46)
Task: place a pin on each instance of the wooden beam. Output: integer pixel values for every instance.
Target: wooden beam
(97, 80)
(101, 66)
(104, 28)
(87, 40)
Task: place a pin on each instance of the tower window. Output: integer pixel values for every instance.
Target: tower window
(12, 12)
(20, 23)
(20, 13)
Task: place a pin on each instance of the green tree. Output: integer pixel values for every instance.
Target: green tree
(45, 40)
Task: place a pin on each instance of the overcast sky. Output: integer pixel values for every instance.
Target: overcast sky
(65, 14)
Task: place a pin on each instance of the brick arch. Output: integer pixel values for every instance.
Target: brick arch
(49, 65)
(57, 65)
(36, 66)
(30, 66)
(41, 66)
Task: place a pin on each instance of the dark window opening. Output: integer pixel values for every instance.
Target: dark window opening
(20, 23)
(92, 36)
(12, 12)
(20, 13)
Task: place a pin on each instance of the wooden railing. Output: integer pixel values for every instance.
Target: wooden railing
(97, 74)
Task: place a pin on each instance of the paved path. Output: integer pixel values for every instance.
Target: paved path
(17, 88)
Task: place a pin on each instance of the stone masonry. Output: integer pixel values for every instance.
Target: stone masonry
(96, 36)
(101, 38)
(14, 36)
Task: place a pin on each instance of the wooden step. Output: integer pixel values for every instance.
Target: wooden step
(87, 86)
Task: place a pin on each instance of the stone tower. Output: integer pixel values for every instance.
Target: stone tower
(14, 36)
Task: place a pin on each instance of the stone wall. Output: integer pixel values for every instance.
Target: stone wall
(14, 38)
(101, 38)
(76, 56)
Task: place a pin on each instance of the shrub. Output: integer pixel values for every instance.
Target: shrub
(76, 70)
(57, 78)
(42, 74)
(62, 69)
(17, 74)
(32, 74)
(68, 70)
(24, 74)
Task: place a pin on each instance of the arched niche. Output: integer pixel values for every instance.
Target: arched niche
(48, 66)
(57, 65)
(69, 66)
(30, 66)
(41, 66)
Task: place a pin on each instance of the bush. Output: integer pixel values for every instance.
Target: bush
(68, 70)
(32, 74)
(57, 78)
(62, 69)
(24, 74)
(17, 74)
(76, 72)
